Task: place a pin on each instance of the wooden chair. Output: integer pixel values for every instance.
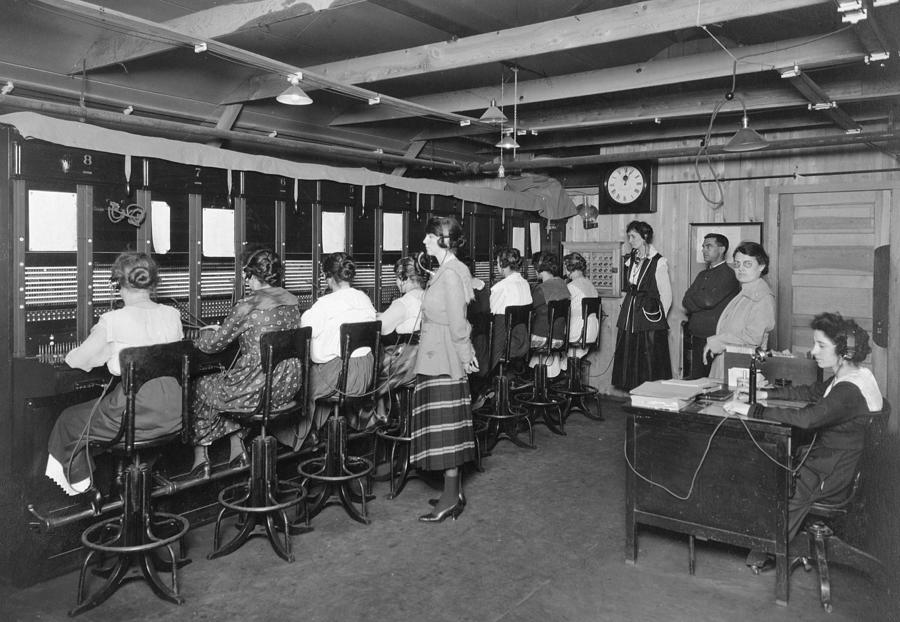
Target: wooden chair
(540, 400)
(575, 390)
(336, 469)
(503, 417)
(823, 546)
(135, 536)
(263, 496)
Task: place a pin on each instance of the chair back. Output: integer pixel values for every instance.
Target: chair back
(142, 364)
(589, 307)
(558, 325)
(875, 425)
(353, 336)
(517, 318)
(275, 347)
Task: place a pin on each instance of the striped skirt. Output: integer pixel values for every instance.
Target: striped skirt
(442, 435)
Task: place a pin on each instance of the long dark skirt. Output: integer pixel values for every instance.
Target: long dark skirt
(640, 357)
(158, 407)
(323, 379)
(442, 435)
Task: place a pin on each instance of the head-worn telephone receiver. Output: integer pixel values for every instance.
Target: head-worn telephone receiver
(444, 236)
(423, 261)
(246, 267)
(849, 349)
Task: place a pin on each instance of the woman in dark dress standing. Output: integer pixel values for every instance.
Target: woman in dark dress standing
(442, 434)
(642, 344)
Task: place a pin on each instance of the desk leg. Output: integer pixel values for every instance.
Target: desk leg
(630, 527)
(782, 578)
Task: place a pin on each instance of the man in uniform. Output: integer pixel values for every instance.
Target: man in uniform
(705, 300)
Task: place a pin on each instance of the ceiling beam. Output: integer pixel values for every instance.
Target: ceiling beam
(188, 132)
(615, 24)
(821, 101)
(102, 15)
(808, 52)
(686, 105)
(212, 23)
(808, 142)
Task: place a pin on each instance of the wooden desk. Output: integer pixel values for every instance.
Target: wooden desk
(740, 496)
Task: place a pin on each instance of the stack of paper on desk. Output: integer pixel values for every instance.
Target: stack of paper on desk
(664, 395)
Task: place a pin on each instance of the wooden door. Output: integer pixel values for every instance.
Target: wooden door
(826, 239)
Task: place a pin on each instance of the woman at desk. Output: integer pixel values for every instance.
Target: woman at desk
(750, 316)
(344, 305)
(580, 287)
(838, 413)
(267, 307)
(402, 319)
(550, 287)
(510, 291)
(140, 322)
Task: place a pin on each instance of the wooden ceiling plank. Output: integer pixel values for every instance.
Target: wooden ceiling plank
(415, 148)
(816, 96)
(605, 26)
(212, 23)
(806, 52)
(123, 20)
(686, 105)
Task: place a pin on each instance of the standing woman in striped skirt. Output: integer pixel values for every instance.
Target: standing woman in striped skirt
(442, 435)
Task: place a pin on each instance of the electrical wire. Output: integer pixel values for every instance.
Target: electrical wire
(727, 416)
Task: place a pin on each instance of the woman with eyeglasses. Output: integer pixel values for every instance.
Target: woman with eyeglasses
(140, 322)
(750, 316)
(266, 307)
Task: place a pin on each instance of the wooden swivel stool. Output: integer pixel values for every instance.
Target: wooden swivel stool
(503, 417)
(335, 471)
(541, 401)
(135, 536)
(263, 497)
(575, 389)
(823, 545)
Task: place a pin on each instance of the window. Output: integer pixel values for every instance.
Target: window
(52, 221)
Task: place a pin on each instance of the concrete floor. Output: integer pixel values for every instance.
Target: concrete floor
(542, 538)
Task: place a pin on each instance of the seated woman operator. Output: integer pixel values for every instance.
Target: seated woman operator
(267, 307)
(510, 291)
(580, 287)
(344, 305)
(140, 322)
(402, 319)
(838, 414)
(550, 287)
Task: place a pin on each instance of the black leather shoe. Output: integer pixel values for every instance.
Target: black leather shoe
(200, 471)
(438, 517)
(760, 561)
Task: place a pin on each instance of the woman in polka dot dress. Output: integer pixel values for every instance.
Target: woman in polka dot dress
(268, 307)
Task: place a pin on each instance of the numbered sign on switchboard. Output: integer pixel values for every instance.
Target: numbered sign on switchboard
(604, 261)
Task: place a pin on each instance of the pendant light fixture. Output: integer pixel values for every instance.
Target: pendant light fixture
(493, 115)
(294, 95)
(745, 139)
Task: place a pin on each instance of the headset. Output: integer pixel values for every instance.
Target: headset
(246, 267)
(445, 235)
(849, 349)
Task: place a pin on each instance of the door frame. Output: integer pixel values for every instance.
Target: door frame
(892, 204)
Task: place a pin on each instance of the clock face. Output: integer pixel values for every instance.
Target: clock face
(625, 184)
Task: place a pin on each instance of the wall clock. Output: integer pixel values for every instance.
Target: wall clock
(628, 187)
